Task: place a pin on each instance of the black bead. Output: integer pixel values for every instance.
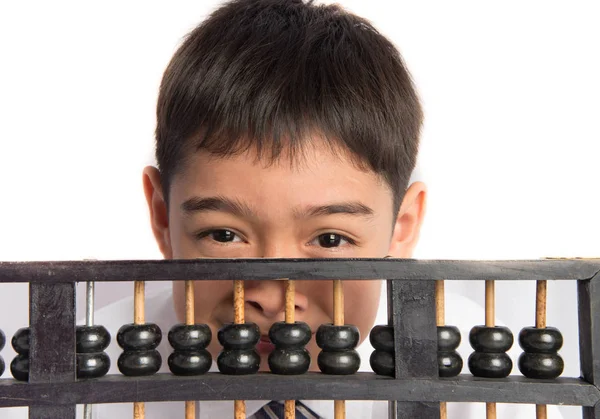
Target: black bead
(382, 338)
(91, 339)
(491, 339)
(136, 337)
(548, 340)
(2, 340)
(448, 338)
(239, 336)
(339, 362)
(289, 361)
(238, 361)
(92, 365)
(2, 366)
(382, 363)
(19, 367)
(337, 338)
(490, 365)
(541, 365)
(183, 337)
(450, 364)
(290, 335)
(190, 362)
(139, 363)
(20, 341)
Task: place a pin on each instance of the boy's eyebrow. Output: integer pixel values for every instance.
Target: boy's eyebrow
(217, 203)
(351, 208)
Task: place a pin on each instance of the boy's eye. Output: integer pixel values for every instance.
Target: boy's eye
(329, 240)
(221, 236)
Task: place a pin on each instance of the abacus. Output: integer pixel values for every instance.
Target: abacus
(416, 368)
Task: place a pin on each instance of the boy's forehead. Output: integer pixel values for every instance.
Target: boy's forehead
(320, 174)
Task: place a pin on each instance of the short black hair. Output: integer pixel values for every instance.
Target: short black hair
(270, 74)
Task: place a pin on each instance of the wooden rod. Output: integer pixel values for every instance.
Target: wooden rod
(540, 322)
(339, 406)
(490, 411)
(240, 409)
(490, 321)
(139, 317)
(540, 411)
(190, 405)
(239, 406)
(440, 307)
(238, 302)
(490, 304)
(440, 314)
(540, 304)
(290, 317)
(338, 303)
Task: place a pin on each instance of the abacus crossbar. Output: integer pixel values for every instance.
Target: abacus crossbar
(54, 391)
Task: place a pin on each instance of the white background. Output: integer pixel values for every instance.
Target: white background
(510, 148)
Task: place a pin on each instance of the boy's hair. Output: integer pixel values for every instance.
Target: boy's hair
(270, 75)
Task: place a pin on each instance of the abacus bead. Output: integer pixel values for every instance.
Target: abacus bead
(239, 336)
(382, 338)
(290, 335)
(541, 365)
(490, 365)
(289, 361)
(339, 362)
(491, 339)
(91, 339)
(189, 336)
(190, 362)
(548, 340)
(2, 366)
(19, 367)
(20, 341)
(238, 361)
(448, 338)
(337, 338)
(2, 340)
(92, 365)
(136, 337)
(450, 364)
(139, 363)
(382, 363)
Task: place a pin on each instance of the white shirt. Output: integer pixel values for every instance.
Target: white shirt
(159, 309)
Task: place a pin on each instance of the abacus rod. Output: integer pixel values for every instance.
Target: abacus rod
(190, 405)
(89, 303)
(540, 304)
(339, 406)
(490, 321)
(440, 314)
(239, 406)
(290, 317)
(540, 323)
(89, 321)
(139, 317)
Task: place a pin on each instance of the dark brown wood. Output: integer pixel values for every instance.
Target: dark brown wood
(411, 310)
(306, 269)
(315, 386)
(588, 293)
(591, 412)
(52, 344)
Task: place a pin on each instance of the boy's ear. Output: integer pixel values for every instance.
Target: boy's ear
(409, 221)
(159, 216)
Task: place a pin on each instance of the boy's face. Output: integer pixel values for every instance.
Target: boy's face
(322, 206)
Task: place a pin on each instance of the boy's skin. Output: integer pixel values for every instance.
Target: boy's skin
(287, 209)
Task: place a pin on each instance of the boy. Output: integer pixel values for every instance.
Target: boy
(284, 129)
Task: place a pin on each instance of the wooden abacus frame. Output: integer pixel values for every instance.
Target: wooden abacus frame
(53, 391)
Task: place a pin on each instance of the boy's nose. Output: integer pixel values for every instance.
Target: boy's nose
(268, 297)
